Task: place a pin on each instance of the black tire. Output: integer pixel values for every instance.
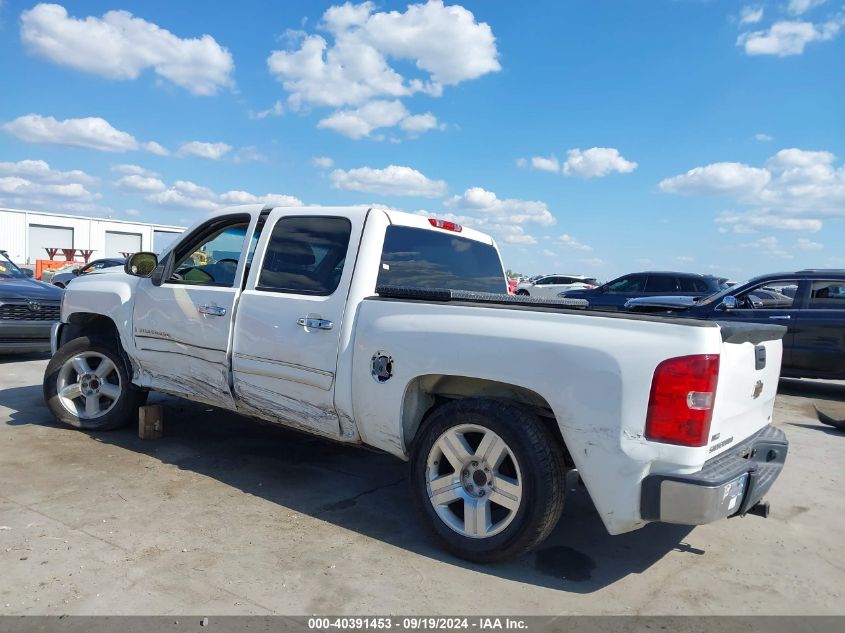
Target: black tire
(540, 461)
(125, 407)
(522, 293)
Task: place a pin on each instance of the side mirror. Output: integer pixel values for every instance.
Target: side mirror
(75, 272)
(140, 264)
(729, 302)
(27, 272)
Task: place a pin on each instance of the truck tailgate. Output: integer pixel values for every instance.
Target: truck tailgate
(749, 369)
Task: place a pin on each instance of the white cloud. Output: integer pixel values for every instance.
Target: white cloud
(808, 245)
(249, 154)
(596, 162)
(593, 261)
(121, 46)
(418, 123)
(139, 183)
(274, 110)
(798, 7)
(768, 247)
(789, 37)
(126, 168)
(718, 178)
(40, 171)
(570, 242)
(211, 151)
(685, 259)
(323, 162)
(540, 163)
(487, 206)
(33, 184)
(360, 122)
(757, 220)
(792, 192)
(760, 136)
(89, 133)
(444, 43)
(154, 148)
(750, 14)
(184, 194)
(394, 180)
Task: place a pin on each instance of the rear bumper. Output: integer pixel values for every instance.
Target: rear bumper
(730, 484)
(19, 337)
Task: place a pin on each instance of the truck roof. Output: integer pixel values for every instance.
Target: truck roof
(418, 220)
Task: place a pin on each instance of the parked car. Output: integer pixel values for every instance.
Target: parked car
(392, 330)
(549, 286)
(810, 303)
(62, 279)
(614, 294)
(28, 309)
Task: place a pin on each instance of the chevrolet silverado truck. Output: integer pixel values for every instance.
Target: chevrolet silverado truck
(394, 330)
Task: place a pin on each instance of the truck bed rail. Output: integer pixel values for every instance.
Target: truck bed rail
(446, 295)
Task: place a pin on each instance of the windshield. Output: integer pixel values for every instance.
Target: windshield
(8, 270)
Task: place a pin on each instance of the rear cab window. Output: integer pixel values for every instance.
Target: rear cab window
(423, 259)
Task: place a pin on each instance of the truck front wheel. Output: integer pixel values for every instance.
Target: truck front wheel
(87, 386)
(488, 477)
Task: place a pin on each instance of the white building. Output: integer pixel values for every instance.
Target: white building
(26, 234)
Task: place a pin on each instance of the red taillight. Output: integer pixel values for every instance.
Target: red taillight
(445, 224)
(680, 406)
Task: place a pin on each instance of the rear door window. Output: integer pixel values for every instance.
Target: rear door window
(662, 283)
(827, 295)
(418, 258)
(305, 255)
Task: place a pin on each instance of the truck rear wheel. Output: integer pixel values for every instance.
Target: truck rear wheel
(488, 477)
(87, 386)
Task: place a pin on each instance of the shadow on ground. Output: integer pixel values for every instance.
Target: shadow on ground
(351, 487)
(826, 402)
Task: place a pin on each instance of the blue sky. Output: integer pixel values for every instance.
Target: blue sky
(594, 137)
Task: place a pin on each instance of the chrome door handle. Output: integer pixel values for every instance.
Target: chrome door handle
(212, 310)
(785, 316)
(315, 324)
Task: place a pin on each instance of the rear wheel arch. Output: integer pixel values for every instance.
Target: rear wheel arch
(425, 394)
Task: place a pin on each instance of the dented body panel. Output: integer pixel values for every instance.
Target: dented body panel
(376, 366)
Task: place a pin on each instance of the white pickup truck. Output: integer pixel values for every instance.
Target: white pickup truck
(393, 330)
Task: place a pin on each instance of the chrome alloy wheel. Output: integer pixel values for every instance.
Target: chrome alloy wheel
(89, 385)
(473, 481)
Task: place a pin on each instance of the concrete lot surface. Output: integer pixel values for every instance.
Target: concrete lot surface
(227, 516)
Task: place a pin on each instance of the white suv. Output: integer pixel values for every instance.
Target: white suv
(548, 286)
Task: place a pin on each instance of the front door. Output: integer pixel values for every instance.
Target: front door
(287, 330)
(182, 327)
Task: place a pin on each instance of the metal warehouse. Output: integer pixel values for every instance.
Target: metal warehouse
(26, 235)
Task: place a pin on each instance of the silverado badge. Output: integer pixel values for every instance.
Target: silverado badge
(758, 389)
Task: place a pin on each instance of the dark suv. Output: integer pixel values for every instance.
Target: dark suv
(614, 294)
(810, 303)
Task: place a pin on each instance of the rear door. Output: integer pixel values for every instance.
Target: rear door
(284, 354)
(818, 347)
